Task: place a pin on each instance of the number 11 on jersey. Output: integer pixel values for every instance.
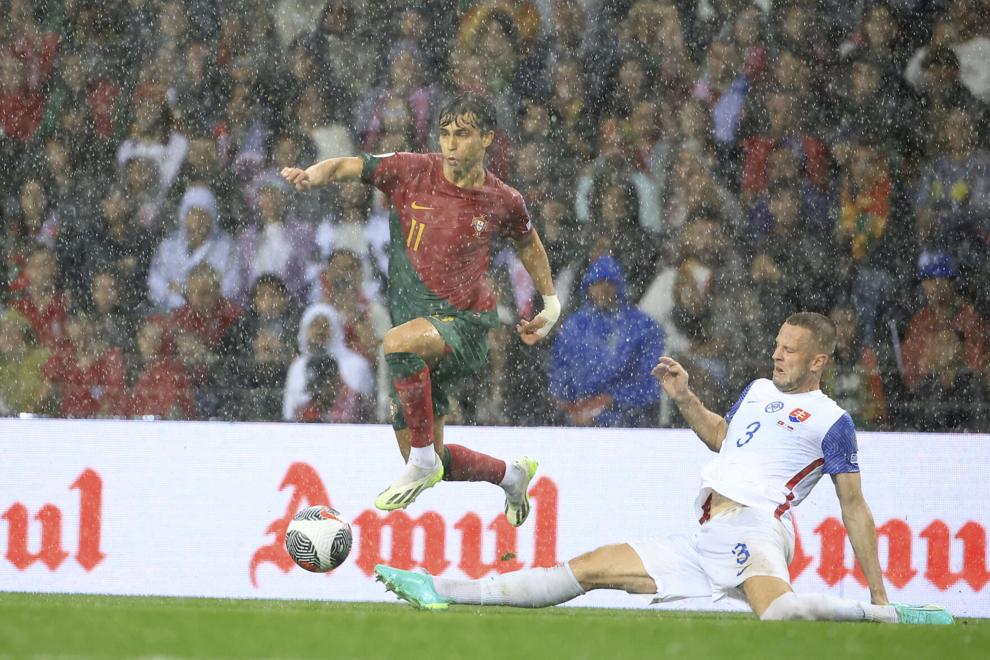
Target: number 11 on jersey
(415, 230)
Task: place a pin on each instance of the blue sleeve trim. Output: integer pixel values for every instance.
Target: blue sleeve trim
(839, 447)
(735, 406)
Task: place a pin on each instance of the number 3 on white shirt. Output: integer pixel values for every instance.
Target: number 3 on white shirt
(750, 432)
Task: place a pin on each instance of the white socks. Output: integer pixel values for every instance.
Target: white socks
(513, 478)
(533, 587)
(423, 457)
(821, 607)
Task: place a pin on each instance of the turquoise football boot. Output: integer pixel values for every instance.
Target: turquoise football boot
(924, 614)
(414, 588)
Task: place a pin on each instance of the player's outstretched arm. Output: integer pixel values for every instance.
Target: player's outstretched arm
(862, 531)
(534, 259)
(709, 426)
(324, 172)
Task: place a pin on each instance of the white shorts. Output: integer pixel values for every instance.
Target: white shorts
(736, 544)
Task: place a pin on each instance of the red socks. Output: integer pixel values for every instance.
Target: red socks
(411, 377)
(467, 465)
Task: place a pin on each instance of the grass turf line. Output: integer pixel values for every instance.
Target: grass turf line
(36, 625)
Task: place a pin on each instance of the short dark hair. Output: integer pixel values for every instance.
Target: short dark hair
(822, 329)
(474, 109)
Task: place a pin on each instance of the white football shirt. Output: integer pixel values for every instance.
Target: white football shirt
(776, 449)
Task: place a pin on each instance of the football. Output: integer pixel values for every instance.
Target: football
(318, 539)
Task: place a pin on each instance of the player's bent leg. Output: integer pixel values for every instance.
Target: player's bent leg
(613, 567)
(763, 590)
(407, 348)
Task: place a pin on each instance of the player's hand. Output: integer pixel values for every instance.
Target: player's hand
(298, 178)
(528, 331)
(535, 330)
(672, 377)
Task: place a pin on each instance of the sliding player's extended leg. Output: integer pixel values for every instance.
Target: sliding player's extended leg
(608, 567)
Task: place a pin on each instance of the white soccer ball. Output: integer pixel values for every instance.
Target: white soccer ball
(318, 539)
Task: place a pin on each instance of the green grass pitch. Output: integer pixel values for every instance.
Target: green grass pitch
(50, 626)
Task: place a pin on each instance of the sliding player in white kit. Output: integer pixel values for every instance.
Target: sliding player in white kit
(773, 446)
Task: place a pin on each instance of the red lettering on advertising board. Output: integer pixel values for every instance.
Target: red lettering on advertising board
(505, 547)
(51, 553)
(402, 527)
(832, 562)
(90, 518)
(397, 550)
(307, 488)
(800, 559)
(974, 559)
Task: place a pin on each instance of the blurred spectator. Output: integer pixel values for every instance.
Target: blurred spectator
(874, 104)
(784, 126)
(871, 230)
(21, 106)
(242, 134)
(695, 190)
(943, 309)
(143, 190)
(603, 354)
(940, 91)
(116, 324)
(39, 298)
(405, 83)
(321, 335)
(356, 228)
(723, 87)
(86, 376)
(950, 397)
(201, 168)
(118, 240)
(779, 268)
(198, 239)
(22, 383)
(279, 243)
(952, 198)
(784, 167)
(618, 161)
(256, 353)
(270, 307)
(344, 287)
(161, 387)
(330, 400)
(202, 322)
(635, 247)
(749, 35)
(854, 378)
(28, 227)
(151, 136)
(964, 29)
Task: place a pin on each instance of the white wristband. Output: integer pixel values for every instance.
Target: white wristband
(550, 314)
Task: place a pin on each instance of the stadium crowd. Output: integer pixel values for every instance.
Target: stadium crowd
(698, 170)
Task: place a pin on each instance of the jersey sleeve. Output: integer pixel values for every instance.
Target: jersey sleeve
(386, 171)
(517, 223)
(839, 447)
(735, 406)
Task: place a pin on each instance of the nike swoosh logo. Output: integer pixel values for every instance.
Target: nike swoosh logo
(421, 208)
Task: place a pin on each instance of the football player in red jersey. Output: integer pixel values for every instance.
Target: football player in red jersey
(446, 211)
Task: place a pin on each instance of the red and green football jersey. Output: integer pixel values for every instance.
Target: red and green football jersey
(441, 236)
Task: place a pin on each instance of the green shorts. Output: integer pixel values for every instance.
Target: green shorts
(467, 350)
